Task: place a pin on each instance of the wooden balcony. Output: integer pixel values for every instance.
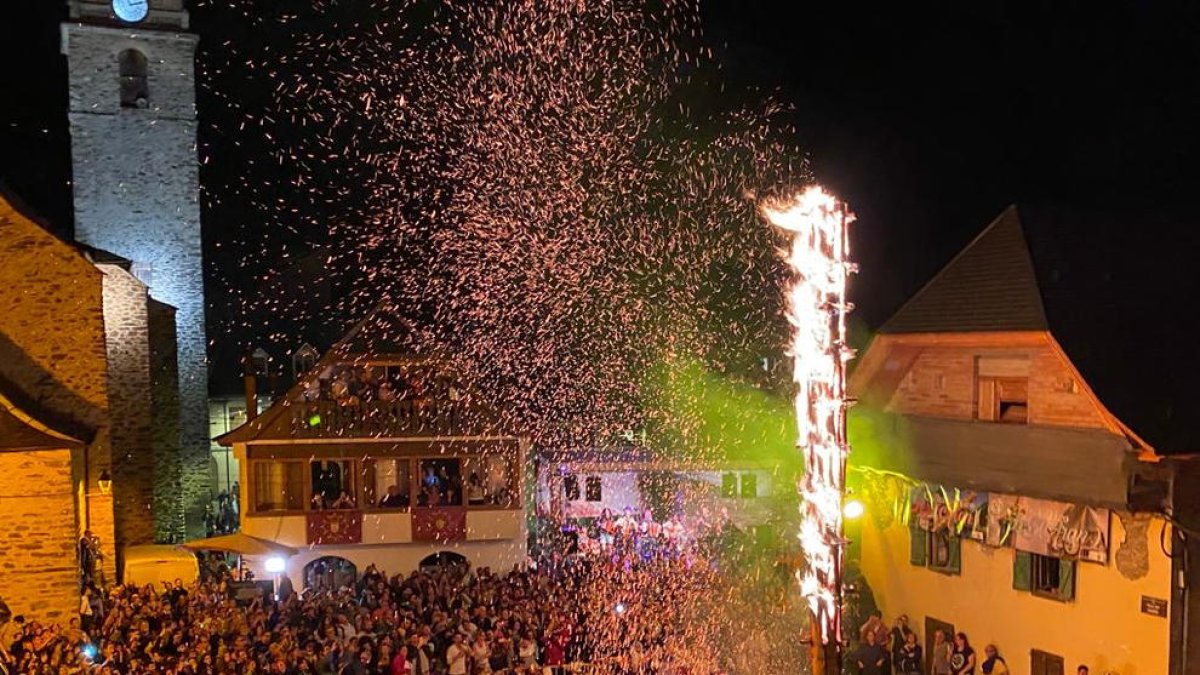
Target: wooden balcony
(396, 419)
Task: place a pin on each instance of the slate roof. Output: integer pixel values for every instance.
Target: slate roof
(1117, 288)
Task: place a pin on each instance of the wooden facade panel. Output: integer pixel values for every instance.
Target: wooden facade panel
(1085, 466)
(1056, 399)
(942, 382)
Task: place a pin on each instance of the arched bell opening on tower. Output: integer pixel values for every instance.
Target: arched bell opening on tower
(135, 90)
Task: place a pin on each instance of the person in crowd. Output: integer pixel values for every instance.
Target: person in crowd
(475, 492)
(871, 657)
(458, 655)
(939, 655)
(910, 661)
(898, 636)
(962, 657)
(393, 499)
(344, 501)
(993, 663)
(876, 627)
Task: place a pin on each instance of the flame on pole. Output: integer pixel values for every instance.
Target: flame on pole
(817, 309)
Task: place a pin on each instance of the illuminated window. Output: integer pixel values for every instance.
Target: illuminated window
(571, 487)
(277, 486)
(135, 90)
(1045, 576)
(595, 489)
(729, 485)
(749, 486)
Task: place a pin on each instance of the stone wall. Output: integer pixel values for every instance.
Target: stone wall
(128, 345)
(164, 395)
(38, 570)
(136, 184)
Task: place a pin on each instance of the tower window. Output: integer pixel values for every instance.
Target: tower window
(135, 92)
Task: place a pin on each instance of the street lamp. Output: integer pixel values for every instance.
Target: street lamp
(105, 482)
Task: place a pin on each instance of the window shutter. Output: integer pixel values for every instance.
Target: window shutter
(955, 564)
(1066, 579)
(1022, 579)
(1037, 660)
(918, 544)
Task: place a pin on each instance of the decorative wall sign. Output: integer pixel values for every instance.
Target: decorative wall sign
(325, 528)
(1062, 530)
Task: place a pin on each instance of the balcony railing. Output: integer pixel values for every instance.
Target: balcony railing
(329, 419)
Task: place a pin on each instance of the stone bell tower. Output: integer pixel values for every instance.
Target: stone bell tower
(136, 189)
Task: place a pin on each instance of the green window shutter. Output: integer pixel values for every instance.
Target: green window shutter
(1066, 579)
(918, 550)
(1022, 571)
(955, 565)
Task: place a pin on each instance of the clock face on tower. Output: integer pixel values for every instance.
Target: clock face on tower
(131, 11)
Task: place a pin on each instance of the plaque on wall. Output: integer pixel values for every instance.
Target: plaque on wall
(1154, 606)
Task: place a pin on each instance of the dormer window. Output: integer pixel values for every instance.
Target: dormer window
(135, 90)
(1003, 391)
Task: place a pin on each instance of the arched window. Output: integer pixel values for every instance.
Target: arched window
(135, 92)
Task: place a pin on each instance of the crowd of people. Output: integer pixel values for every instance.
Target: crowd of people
(444, 620)
(632, 532)
(897, 650)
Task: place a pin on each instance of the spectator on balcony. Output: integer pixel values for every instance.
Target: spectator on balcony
(475, 492)
(344, 501)
(394, 499)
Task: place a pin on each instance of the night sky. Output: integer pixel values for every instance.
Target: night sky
(928, 118)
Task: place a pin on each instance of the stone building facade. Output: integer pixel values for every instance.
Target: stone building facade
(136, 190)
(53, 364)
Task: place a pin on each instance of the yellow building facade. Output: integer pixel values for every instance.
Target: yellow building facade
(1015, 463)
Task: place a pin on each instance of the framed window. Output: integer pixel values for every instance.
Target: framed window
(1004, 400)
(135, 90)
(749, 485)
(1044, 576)
(571, 487)
(729, 485)
(333, 484)
(595, 489)
(387, 483)
(441, 483)
(277, 486)
(945, 551)
(491, 481)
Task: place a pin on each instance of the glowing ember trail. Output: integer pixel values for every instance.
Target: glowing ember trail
(817, 310)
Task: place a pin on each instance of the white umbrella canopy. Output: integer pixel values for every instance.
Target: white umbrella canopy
(241, 544)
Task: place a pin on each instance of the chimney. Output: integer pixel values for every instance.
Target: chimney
(250, 385)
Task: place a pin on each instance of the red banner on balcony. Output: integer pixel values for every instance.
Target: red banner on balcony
(440, 524)
(326, 528)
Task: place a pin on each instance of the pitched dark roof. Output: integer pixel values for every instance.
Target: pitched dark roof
(1117, 288)
(988, 286)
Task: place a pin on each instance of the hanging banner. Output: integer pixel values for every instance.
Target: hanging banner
(1002, 514)
(325, 528)
(963, 512)
(1062, 530)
